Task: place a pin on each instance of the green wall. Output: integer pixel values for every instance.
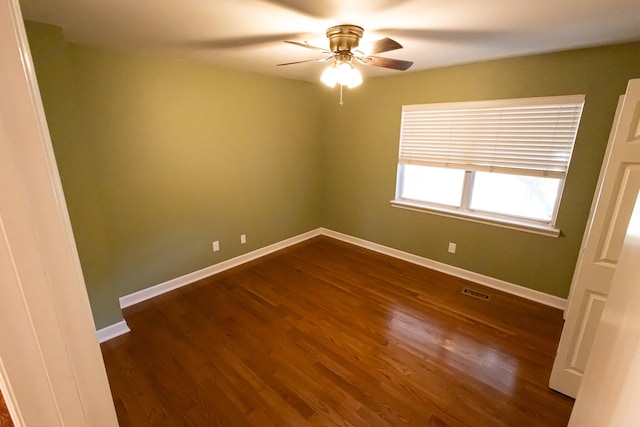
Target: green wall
(361, 147)
(74, 157)
(160, 157)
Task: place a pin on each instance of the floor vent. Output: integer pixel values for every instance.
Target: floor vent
(475, 294)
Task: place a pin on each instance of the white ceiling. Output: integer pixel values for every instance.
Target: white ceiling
(248, 34)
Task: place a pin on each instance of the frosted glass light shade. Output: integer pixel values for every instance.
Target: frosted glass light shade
(343, 74)
(355, 79)
(329, 77)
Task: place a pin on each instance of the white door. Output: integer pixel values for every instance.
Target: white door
(615, 197)
(611, 385)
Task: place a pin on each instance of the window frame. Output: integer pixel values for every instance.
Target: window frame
(464, 211)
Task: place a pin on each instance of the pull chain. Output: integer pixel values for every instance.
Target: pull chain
(341, 95)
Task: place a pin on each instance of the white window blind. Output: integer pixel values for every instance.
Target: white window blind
(527, 136)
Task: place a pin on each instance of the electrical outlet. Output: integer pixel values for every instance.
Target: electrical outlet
(452, 248)
(216, 246)
(243, 238)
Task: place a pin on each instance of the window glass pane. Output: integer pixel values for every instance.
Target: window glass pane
(522, 196)
(435, 185)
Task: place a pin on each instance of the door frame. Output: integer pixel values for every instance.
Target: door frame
(51, 367)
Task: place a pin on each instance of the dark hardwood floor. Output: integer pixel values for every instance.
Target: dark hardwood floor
(5, 417)
(326, 333)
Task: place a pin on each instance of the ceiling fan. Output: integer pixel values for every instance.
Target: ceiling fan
(345, 50)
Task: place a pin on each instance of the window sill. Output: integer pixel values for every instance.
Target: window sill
(480, 218)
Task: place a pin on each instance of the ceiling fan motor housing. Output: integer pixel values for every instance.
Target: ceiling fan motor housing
(343, 38)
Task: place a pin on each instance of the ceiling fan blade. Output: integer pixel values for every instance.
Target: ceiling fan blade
(394, 64)
(444, 35)
(302, 62)
(308, 46)
(383, 45)
(242, 42)
(316, 9)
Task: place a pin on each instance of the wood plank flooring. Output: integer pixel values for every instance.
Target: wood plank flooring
(5, 417)
(325, 333)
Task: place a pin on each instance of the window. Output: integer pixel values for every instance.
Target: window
(502, 161)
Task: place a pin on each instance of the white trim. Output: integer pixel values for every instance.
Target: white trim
(120, 328)
(501, 285)
(510, 223)
(189, 278)
(112, 331)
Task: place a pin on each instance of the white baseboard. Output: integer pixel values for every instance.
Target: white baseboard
(187, 279)
(153, 291)
(112, 331)
(501, 285)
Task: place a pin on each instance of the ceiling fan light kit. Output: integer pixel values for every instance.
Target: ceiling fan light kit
(343, 41)
(344, 74)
